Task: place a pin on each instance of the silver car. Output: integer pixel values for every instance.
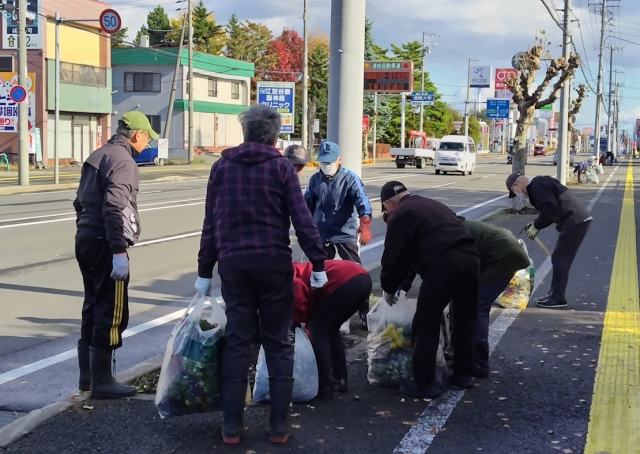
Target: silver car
(555, 158)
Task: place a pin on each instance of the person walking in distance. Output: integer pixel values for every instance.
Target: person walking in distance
(425, 236)
(107, 224)
(253, 195)
(557, 205)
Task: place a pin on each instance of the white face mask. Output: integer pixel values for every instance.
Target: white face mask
(519, 194)
(329, 169)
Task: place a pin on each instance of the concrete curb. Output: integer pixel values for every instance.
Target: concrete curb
(37, 188)
(26, 424)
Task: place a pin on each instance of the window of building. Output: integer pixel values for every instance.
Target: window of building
(235, 90)
(142, 82)
(6, 63)
(154, 120)
(213, 87)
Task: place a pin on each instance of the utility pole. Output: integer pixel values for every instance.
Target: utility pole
(56, 90)
(23, 107)
(172, 97)
(466, 102)
(596, 131)
(191, 88)
(335, 51)
(402, 115)
(610, 97)
(305, 85)
(350, 100)
(425, 50)
(563, 148)
(375, 124)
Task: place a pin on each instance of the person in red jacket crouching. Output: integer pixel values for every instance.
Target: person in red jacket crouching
(324, 311)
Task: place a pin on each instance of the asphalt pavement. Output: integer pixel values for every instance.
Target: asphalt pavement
(537, 400)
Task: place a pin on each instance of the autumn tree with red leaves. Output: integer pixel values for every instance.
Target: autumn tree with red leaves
(286, 51)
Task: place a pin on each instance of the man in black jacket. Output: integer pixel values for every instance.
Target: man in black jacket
(107, 224)
(557, 205)
(425, 236)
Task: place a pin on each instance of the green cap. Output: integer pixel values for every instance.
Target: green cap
(139, 122)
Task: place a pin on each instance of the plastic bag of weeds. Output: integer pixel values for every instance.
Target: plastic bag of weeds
(518, 292)
(190, 379)
(305, 372)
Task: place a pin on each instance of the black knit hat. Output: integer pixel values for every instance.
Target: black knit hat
(391, 189)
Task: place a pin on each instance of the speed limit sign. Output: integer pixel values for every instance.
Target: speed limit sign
(110, 21)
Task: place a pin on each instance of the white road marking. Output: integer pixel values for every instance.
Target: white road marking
(419, 438)
(490, 175)
(60, 357)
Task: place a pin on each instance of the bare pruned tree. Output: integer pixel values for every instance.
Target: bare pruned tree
(527, 99)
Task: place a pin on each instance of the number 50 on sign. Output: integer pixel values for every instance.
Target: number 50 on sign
(110, 21)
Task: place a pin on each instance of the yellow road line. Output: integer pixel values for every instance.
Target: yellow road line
(614, 420)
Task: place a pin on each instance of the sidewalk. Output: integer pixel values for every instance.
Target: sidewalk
(537, 399)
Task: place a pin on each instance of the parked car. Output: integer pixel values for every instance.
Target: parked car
(148, 156)
(571, 158)
(539, 150)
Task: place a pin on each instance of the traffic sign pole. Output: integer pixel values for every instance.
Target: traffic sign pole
(23, 108)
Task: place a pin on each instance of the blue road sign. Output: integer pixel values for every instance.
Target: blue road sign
(281, 97)
(18, 93)
(497, 108)
(422, 98)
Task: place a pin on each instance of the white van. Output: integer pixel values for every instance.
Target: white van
(456, 154)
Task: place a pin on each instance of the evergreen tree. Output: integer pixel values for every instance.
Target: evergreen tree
(157, 27)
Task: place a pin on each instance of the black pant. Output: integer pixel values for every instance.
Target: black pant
(451, 277)
(331, 311)
(105, 312)
(569, 242)
(487, 294)
(346, 251)
(268, 294)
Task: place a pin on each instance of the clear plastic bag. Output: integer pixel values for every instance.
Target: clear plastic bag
(389, 342)
(518, 293)
(592, 178)
(305, 372)
(190, 379)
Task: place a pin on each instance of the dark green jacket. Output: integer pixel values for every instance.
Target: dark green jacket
(500, 253)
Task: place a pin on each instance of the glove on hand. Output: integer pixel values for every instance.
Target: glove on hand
(318, 279)
(120, 269)
(363, 231)
(531, 231)
(390, 298)
(203, 286)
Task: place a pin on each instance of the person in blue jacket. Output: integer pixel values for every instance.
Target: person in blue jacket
(336, 198)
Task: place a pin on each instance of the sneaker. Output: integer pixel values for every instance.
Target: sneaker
(552, 304)
(431, 391)
(544, 298)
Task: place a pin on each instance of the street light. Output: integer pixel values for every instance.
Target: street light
(426, 49)
(466, 103)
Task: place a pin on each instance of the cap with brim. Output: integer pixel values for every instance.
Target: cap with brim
(511, 179)
(296, 155)
(137, 121)
(328, 152)
(390, 190)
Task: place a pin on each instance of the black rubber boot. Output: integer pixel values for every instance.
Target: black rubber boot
(103, 384)
(280, 390)
(233, 397)
(84, 362)
(341, 385)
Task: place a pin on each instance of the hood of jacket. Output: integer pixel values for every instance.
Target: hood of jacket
(251, 153)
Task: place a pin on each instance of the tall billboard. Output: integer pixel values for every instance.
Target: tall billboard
(388, 76)
(480, 77)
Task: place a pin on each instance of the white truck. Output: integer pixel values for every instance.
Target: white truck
(421, 150)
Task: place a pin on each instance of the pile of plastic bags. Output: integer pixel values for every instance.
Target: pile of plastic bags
(190, 379)
(305, 372)
(517, 294)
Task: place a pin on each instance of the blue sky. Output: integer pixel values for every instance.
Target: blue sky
(491, 31)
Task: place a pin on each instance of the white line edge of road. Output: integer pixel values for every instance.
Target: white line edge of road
(419, 438)
(60, 357)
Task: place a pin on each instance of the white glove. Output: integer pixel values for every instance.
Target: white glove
(318, 279)
(390, 298)
(120, 269)
(203, 286)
